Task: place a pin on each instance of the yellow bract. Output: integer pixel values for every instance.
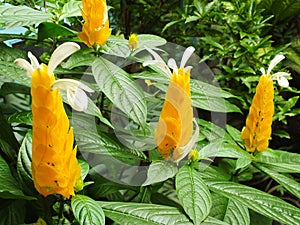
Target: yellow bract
(257, 132)
(133, 41)
(55, 169)
(175, 125)
(95, 29)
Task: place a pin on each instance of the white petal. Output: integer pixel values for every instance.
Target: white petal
(155, 55)
(263, 71)
(172, 64)
(186, 55)
(34, 62)
(188, 68)
(189, 146)
(153, 62)
(159, 64)
(60, 53)
(283, 82)
(77, 99)
(65, 84)
(274, 62)
(24, 65)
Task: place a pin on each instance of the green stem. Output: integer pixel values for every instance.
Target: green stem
(61, 211)
(16, 36)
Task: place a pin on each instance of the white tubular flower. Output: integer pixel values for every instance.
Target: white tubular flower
(281, 77)
(61, 53)
(158, 61)
(75, 90)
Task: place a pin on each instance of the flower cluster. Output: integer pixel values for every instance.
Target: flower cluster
(174, 133)
(257, 131)
(55, 169)
(95, 29)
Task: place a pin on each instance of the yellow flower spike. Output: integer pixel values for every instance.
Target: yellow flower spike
(257, 132)
(95, 29)
(133, 41)
(174, 133)
(55, 169)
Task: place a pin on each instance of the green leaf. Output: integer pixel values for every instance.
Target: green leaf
(85, 168)
(281, 134)
(71, 9)
(14, 88)
(229, 211)
(143, 214)
(116, 46)
(103, 187)
(10, 54)
(150, 41)
(203, 88)
(87, 211)
(21, 117)
(288, 183)
(290, 103)
(283, 10)
(8, 69)
(13, 72)
(160, 171)
(258, 219)
(53, 30)
(220, 148)
(211, 131)
(242, 163)
(259, 201)
(24, 165)
(121, 90)
(282, 161)
(234, 133)
(92, 109)
(213, 104)
(13, 212)
(79, 58)
(193, 194)
(9, 188)
(210, 97)
(211, 172)
(211, 42)
(18, 16)
(213, 221)
(100, 143)
(170, 24)
(8, 142)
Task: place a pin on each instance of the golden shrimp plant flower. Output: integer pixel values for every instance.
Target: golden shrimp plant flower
(95, 29)
(257, 132)
(55, 169)
(174, 132)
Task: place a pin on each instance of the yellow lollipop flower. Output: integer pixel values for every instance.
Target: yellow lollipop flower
(95, 29)
(257, 131)
(55, 169)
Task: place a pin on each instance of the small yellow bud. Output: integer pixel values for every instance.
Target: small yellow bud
(193, 155)
(133, 41)
(79, 185)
